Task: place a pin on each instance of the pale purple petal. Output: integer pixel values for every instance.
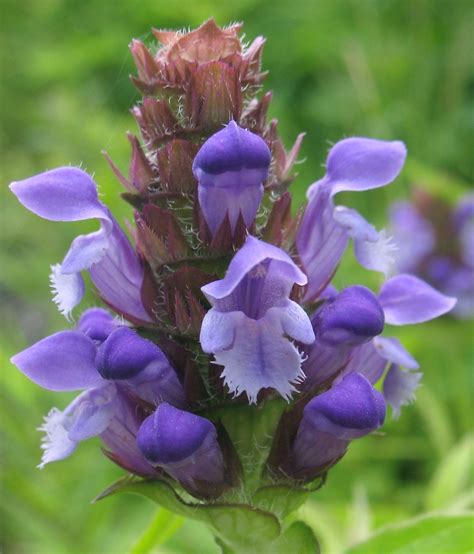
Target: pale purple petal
(260, 357)
(392, 350)
(406, 223)
(64, 361)
(399, 387)
(218, 329)
(367, 361)
(373, 250)
(87, 416)
(68, 290)
(357, 164)
(407, 299)
(294, 321)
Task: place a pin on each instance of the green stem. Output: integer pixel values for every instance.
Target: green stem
(163, 526)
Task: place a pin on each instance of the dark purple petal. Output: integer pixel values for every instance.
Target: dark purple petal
(352, 317)
(96, 323)
(230, 168)
(63, 361)
(399, 387)
(125, 354)
(157, 383)
(184, 444)
(356, 164)
(350, 409)
(120, 437)
(170, 435)
(406, 299)
(464, 224)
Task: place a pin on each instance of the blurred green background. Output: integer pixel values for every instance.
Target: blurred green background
(388, 69)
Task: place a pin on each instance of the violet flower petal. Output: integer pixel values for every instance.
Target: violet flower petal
(248, 327)
(87, 416)
(392, 350)
(406, 299)
(64, 361)
(230, 168)
(348, 410)
(125, 354)
(354, 164)
(96, 323)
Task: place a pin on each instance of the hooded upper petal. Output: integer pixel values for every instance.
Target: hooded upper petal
(407, 299)
(354, 164)
(230, 168)
(63, 361)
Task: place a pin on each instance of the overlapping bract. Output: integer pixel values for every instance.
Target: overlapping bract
(226, 298)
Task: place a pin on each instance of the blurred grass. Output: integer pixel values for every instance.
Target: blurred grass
(389, 69)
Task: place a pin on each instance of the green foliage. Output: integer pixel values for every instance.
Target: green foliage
(388, 69)
(436, 534)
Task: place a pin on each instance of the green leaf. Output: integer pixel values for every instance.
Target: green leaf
(452, 476)
(279, 499)
(238, 525)
(433, 534)
(297, 538)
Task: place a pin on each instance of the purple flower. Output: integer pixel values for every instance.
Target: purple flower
(345, 321)
(347, 411)
(406, 223)
(354, 164)
(69, 194)
(252, 321)
(405, 300)
(230, 168)
(185, 446)
(119, 362)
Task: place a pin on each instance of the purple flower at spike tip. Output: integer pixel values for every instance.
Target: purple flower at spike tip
(102, 359)
(354, 164)
(347, 411)
(185, 446)
(231, 167)
(69, 194)
(252, 321)
(345, 321)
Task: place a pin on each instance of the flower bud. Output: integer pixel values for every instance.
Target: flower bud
(350, 410)
(186, 446)
(345, 321)
(125, 354)
(353, 317)
(230, 168)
